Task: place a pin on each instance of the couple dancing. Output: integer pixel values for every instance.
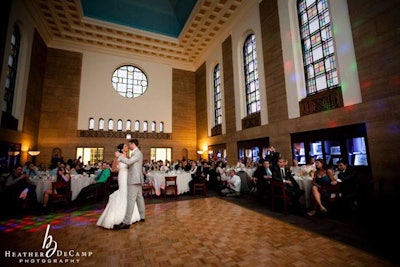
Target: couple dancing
(126, 205)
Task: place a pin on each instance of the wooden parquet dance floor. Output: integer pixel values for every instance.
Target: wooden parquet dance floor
(196, 232)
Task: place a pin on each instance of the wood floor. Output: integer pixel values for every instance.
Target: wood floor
(196, 231)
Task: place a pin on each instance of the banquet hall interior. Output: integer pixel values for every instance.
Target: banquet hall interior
(203, 80)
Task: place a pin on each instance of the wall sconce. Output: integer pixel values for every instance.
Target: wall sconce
(128, 136)
(33, 153)
(14, 153)
(200, 152)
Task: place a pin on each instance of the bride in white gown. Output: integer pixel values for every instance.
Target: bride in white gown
(114, 212)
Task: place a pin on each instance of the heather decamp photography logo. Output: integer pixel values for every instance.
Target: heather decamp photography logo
(49, 253)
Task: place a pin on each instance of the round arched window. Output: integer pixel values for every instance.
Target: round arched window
(129, 81)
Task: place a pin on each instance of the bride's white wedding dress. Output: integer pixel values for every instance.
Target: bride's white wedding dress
(114, 212)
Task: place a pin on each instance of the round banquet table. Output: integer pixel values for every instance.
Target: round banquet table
(305, 183)
(158, 180)
(77, 183)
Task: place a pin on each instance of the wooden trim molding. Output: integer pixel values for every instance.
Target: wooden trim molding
(122, 134)
(216, 130)
(251, 120)
(326, 100)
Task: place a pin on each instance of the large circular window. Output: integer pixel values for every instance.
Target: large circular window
(129, 81)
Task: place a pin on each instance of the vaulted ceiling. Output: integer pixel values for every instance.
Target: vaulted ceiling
(66, 23)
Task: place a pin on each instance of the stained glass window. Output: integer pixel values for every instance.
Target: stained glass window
(91, 124)
(101, 124)
(11, 75)
(110, 124)
(251, 75)
(317, 45)
(128, 125)
(119, 125)
(217, 96)
(137, 126)
(129, 81)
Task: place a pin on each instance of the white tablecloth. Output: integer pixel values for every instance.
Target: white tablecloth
(305, 183)
(77, 183)
(41, 186)
(158, 180)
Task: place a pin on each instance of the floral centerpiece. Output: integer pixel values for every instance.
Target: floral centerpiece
(308, 170)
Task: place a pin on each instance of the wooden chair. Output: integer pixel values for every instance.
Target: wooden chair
(148, 188)
(200, 186)
(61, 191)
(278, 192)
(170, 185)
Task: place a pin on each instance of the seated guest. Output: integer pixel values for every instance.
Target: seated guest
(348, 178)
(220, 172)
(212, 172)
(322, 177)
(99, 180)
(193, 169)
(186, 165)
(70, 169)
(263, 174)
(295, 169)
(253, 179)
(79, 169)
(62, 176)
(250, 163)
(30, 169)
(18, 192)
(200, 175)
(179, 166)
(233, 184)
(282, 173)
(54, 171)
(146, 165)
(240, 165)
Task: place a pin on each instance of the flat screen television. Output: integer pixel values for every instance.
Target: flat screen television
(316, 148)
(360, 160)
(335, 150)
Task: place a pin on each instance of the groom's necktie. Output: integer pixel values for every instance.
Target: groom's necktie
(283, 174)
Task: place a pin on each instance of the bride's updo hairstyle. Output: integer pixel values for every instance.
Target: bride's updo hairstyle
(120, 147)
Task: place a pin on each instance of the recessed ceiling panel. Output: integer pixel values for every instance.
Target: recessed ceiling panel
(167, 17)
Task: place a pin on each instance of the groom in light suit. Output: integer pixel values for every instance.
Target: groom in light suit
(135, 182)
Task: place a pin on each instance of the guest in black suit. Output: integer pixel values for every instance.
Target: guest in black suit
(212, 172)
(19, 193)
(262, 175)
(200, 175)
(348, 185)
(282, 173)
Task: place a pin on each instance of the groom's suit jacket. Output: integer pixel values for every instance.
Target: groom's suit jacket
(135, 163)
